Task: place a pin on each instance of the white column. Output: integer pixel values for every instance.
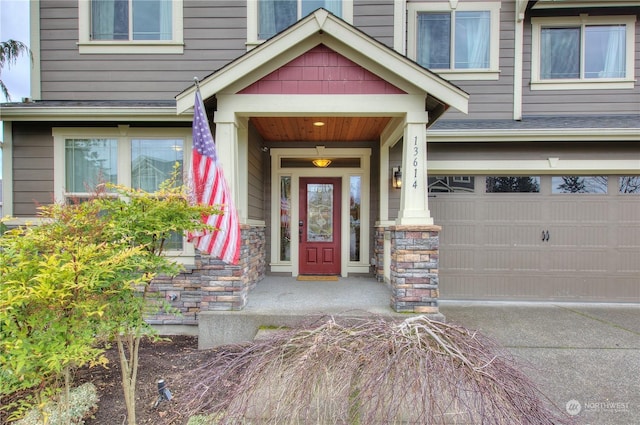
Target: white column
(226, 140)
(414, 208)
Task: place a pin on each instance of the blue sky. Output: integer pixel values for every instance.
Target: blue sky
(14, 24)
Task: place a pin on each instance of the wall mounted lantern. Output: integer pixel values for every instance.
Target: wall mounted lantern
(396, 175)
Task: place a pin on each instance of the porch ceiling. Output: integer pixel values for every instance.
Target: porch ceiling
(343, 129)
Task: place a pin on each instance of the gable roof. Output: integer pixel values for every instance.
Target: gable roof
(321, 27)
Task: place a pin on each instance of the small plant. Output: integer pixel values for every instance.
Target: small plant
(83, 402)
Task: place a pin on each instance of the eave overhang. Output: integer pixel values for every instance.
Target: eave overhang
(89, 111)
(321, 27)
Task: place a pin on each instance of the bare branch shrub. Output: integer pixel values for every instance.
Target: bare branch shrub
(372, 371)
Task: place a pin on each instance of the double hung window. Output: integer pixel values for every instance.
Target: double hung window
(130, 26)
(131, 20)
(460, 43)
(266, 18)
(582, 52)
(276, 15)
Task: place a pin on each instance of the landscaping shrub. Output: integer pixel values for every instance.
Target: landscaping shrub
(372, 371)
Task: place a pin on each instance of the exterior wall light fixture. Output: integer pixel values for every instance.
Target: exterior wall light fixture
(396, 174)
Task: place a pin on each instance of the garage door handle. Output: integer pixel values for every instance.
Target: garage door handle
(545, 236)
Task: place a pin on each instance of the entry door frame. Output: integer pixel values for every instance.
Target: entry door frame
(333, 247)
(364, 154)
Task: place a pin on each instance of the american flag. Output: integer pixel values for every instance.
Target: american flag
(209, 187)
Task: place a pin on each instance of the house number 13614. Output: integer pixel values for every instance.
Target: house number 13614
(415, 162)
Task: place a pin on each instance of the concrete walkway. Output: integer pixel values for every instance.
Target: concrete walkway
(584, 357)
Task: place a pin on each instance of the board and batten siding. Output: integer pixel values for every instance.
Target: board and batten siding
(214, 34)
(579, 102)
(375, 18)
(32, 168)
(493, 99)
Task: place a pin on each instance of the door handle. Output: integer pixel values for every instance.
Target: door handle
(300, 225)
(545, 236)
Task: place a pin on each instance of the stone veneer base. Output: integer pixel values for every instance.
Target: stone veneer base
(414, 268)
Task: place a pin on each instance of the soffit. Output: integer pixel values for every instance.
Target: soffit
(335, 129)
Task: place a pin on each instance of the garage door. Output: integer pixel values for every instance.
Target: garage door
(573, 238)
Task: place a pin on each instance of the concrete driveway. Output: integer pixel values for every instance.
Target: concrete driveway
(584, 357)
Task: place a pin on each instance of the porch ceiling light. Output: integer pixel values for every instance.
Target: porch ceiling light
(318, 123)
(321, 163)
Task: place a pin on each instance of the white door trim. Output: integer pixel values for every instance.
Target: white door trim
(364, 154)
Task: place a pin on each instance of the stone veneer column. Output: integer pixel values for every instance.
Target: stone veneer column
(211, 284)
(378, 254)
(414, 268)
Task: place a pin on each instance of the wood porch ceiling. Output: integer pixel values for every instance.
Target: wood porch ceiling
(335, 129)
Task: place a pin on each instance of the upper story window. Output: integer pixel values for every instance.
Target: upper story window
(459, 41)
(130, 26)
(582, 52)
(266, 18)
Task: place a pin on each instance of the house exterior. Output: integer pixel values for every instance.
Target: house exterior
(478, 149)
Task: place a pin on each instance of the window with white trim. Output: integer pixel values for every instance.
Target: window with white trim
(582, 52)
(130, 26)
(459, 41)
(137, 158)
(266, 18)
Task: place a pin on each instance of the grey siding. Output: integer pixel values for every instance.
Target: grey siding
(32, 168)
(256, 172)
(395, 160)
(579, 102)
(375, 17)
(493, 99)
(214, 34)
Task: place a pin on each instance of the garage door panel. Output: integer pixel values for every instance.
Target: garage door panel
(459, 259)
(579, 236)
(459, 235)
(628, 261)
(577, 261)
(628, 210)
(628, 236)
(571, 209)
(454, 209)
(512, 209)
(510, 259)
(493, 247)
(511, 235)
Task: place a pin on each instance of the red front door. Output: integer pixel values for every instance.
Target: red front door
(319, 232)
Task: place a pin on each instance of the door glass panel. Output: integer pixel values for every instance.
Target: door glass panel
(579, 184)
(513, 184)
(354, 233)
(285, 218)
(629, 184)
(320, 212)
